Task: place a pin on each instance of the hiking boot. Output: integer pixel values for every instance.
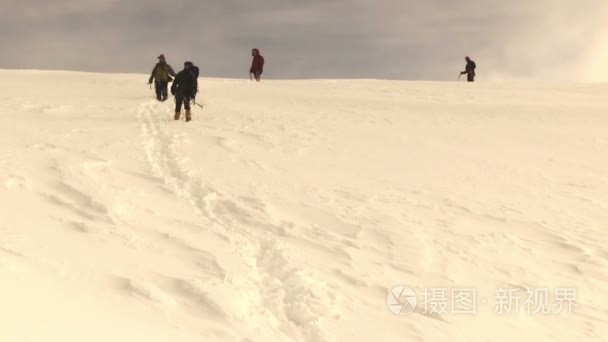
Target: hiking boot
(177, 114)
(188, 115)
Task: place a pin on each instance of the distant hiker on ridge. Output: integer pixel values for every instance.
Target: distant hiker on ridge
(257, 64)
(469, 70)
(184, 88)
(161, 74)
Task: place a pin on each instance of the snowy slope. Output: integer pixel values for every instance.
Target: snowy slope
(287, 210)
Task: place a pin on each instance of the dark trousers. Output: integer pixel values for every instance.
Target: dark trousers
(470, 77)
(182, 99)
(257, 74)
(161, 90)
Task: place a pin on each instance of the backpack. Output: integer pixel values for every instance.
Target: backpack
(195, 71)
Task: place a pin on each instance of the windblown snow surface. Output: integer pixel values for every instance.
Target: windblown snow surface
(288, 210)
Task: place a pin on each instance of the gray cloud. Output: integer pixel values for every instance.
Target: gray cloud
(398, 39)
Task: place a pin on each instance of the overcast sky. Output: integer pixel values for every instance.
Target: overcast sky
(397, 39)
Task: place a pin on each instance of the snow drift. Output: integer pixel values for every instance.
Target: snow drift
(287, 210)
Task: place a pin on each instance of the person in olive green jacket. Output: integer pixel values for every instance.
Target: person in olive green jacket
(161, 74)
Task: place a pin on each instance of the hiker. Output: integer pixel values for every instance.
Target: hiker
(161, 74)
(184, 89)
(469, 70)
(257, 64)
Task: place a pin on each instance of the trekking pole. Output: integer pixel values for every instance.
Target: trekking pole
(459, 77)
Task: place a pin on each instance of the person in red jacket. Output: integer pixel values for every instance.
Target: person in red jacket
(257, 65)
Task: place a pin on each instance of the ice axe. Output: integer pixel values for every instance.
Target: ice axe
(198, 104)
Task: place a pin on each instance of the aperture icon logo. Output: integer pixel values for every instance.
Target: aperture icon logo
(401, 300)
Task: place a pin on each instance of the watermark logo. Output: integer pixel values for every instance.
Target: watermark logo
(401, 300)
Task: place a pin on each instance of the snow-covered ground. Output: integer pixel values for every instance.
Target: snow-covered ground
(287, 210)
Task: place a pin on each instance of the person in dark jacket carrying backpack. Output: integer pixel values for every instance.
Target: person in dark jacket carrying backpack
(469, 70)
(161, 74)
(257, 64)
(184, 88)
